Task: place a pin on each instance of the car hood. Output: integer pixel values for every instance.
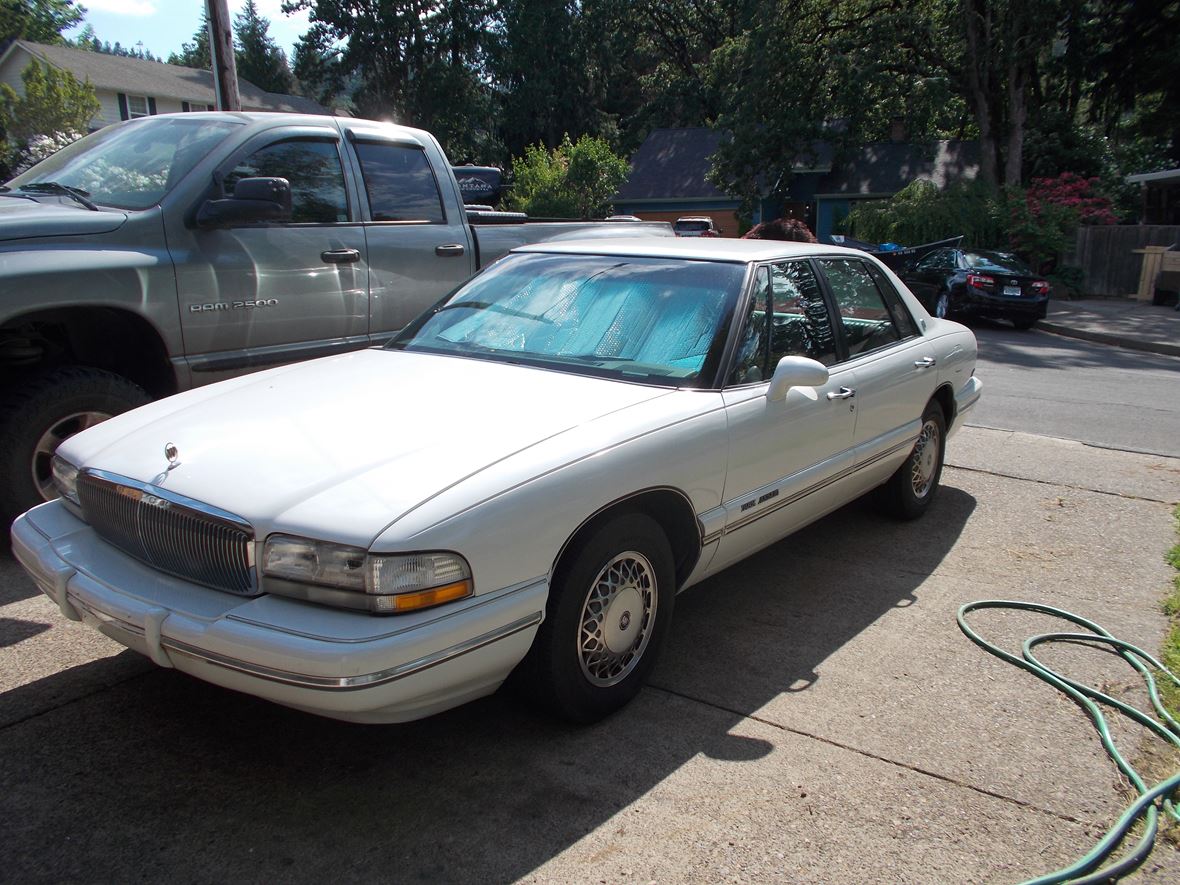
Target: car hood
(22, 219)
(342, 447)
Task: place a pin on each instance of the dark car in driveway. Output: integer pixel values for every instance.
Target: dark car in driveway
(965, 282)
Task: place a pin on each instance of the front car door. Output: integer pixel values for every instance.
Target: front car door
(787, 459)
(258, 294)
(419, 246)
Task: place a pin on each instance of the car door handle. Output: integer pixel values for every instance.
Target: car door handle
(449, 250)
(340, 256)
(842, 393)
(925, 362)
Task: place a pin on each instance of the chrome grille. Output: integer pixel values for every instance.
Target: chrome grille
(171, 533)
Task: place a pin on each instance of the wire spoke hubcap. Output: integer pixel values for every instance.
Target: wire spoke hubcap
(61, 430)
(924, 460)
(617, 619)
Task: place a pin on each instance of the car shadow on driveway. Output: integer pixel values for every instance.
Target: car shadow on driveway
(161, 776)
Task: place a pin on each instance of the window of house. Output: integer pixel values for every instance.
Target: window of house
(400, 183)
(137, 106)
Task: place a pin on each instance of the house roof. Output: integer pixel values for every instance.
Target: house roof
(673, 163)
(884, 169)
(137, 76)
(1149, 177)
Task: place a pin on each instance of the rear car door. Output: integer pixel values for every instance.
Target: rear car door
(418, 241)
(259, 294)
(895, 364)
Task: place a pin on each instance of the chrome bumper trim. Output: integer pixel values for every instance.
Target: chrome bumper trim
(352, 683)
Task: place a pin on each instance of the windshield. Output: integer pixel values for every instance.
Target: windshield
(649, 320)
(995, 261)
(695, 224)
(131, 166)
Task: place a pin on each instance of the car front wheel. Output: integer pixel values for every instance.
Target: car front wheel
(908, 493)
(608, 611)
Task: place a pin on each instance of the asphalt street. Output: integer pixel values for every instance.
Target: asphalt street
(1062, 387)
(817, 715)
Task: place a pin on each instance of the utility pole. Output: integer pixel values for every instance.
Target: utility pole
(221, 54)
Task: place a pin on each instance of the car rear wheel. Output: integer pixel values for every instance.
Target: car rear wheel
(908, 493)
(38, 416)
(608, 611)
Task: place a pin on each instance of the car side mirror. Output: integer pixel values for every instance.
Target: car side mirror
(254, 199)
(795, 371)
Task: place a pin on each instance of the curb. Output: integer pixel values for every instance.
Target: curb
(1112, 340)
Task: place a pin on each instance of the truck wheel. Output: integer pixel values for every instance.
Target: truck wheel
(36, 417)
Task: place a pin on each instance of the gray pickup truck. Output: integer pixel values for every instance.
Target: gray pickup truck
(172, 251)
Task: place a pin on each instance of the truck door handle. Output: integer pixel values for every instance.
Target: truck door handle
(340, 256)
(449, 250)
(924, 363)
(842, 393)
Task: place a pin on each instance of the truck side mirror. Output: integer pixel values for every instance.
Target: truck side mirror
(254, 199)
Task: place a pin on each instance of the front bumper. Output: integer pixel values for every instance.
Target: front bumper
(343, 664)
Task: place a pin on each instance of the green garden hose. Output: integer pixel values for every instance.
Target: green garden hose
(1146, 807)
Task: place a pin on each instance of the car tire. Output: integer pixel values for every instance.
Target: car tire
(608, 612)
(942, 305)
(909, 492)
(1024, 323)
(37, 416)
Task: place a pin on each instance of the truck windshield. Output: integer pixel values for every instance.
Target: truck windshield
(647, 320)
(130, 166)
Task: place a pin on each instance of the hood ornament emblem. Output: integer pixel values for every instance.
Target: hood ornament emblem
(172, 454)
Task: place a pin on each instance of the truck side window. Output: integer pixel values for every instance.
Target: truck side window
(400, 183)
(314, 171)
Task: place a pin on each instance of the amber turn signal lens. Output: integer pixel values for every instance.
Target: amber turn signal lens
(406, 602)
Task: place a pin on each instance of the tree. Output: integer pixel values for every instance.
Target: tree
(195, 54)
(572, 180)
(259, 58)
(54, 103)
(41, 21)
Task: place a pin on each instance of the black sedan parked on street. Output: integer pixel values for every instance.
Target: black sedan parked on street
(961, 283)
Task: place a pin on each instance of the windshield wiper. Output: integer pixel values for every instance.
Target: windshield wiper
(6, 191)
(58, 189)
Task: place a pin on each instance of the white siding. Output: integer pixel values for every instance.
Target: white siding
(108, 110)
(12, 68)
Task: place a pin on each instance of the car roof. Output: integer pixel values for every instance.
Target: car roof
(718, 249)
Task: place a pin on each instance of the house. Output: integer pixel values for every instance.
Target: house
(1161, 196)
(668, 179)
(133, 87)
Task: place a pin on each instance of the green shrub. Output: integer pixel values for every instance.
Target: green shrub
(921, 213)
(574, 180)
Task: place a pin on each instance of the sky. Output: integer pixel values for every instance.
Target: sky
(163, 25)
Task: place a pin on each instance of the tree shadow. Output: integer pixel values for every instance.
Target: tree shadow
(160, 775)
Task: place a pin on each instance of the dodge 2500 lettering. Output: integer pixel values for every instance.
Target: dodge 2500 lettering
(171, 251)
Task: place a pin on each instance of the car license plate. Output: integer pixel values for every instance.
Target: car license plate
(1014, 291)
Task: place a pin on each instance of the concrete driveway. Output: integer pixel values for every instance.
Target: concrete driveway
(817, 717)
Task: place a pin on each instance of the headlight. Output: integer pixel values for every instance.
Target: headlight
(65, 479)
(352, 577)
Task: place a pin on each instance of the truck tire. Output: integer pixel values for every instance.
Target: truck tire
(37, 416)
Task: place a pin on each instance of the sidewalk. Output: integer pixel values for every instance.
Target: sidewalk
(1122, 322)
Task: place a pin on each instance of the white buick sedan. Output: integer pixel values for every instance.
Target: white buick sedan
(518, 484)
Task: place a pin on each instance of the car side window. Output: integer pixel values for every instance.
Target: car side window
(751, 360)
(933, 261)
(867, 322)
(400, 183)
(313, 169)
(801, 325)
(901, 314)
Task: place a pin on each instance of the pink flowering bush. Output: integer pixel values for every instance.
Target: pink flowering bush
(1072, 192)
(1043, 219)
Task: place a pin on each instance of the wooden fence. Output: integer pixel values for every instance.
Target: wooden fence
(1106, 255)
